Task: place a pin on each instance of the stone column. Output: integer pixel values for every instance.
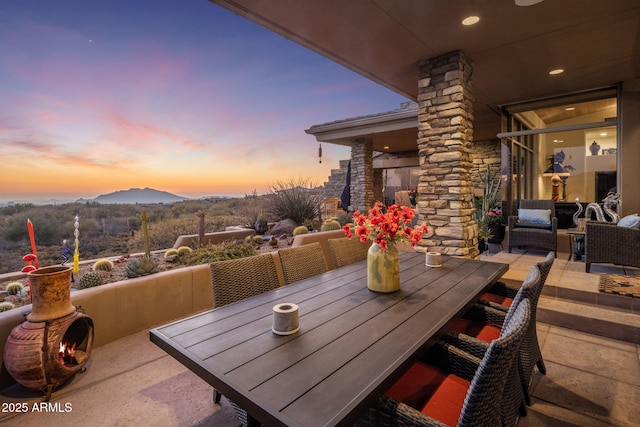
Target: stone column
(445, 138)
(362, 198)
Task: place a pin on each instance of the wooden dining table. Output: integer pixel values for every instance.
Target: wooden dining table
(352, 344)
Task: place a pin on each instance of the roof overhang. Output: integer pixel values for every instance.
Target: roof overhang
(393, 131)
(512, 48)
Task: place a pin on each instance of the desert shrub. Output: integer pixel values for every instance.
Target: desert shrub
(6, 306)
(163, 233)
(301, 229)
(343, 219)
(294, 199)
(250, 208)
(89, 280)
(14, 288)
(103, 265)
(330, 224)
(219, 252)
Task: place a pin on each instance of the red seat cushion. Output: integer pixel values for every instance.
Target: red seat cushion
(488, 333)
(416, 385)
(436, 393)
(480, 330)
(446, 404)
(498, 299)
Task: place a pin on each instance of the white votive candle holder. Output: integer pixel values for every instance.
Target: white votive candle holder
(285, 319)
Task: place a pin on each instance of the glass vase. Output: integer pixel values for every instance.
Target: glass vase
(383, 269)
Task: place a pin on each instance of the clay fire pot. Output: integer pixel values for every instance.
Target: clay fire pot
(50, 293)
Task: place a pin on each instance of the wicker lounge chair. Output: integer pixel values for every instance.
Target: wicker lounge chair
(529, 234)
(346, 251)
(481, 405)
(302, 262)
(242, 278)
(610, 243)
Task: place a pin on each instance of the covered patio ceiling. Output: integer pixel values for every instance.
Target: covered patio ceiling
(513, 48)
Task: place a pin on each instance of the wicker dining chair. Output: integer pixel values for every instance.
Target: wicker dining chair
(237, 279)
(302, 262)
(534, 234)
(503, 291)
(446, 404)
(346, 251)
(481, 324)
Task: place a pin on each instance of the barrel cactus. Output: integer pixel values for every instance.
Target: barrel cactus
(103, 265)
(170, 253)
(142, 266)
(301, 229)
(6, 306)
(330, 224)
(14, 288)
(258, 240)
(248, 239)
(89, 280)
(184, 250)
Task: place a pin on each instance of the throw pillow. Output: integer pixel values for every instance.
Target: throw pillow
(630, 221)
(535, 216)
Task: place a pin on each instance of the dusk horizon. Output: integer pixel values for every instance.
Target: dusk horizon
(191, 99)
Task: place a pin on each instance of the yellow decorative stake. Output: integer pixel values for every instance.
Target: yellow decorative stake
(76, 251)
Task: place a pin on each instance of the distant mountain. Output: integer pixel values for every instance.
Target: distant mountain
(138, 195)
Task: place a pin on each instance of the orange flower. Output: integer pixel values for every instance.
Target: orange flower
(386, 226)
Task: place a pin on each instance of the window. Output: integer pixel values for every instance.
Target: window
(563, 148)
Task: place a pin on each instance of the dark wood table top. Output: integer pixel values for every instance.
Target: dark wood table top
(352, 345)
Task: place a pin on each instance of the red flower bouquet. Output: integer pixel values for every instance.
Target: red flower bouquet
(386, 226)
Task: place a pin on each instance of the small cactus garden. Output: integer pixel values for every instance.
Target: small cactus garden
(15, 292)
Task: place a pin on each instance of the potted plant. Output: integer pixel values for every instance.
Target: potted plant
(493, 221)
(484, 235)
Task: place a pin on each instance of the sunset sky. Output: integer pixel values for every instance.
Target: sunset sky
(180, 96)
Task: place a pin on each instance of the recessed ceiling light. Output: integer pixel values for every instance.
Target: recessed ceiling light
(603, 134)
(527, 2)
(470, 20)
(558, 140)
(386, 147)
(570, 108)
(556, 71)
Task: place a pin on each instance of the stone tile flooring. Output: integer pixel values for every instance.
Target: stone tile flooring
(590, 381)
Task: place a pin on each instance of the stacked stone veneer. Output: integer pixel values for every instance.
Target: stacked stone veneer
(362, 194)
(445, 144)
(485, 153)
(337, 180)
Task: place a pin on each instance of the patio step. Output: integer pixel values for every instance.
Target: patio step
(606, 321)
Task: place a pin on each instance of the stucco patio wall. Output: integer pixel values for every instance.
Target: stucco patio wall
(129, 306)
